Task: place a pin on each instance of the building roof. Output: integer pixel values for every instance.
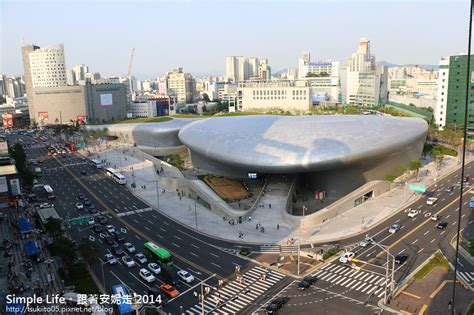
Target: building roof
(300, 143)
(47, 213)
(7, 169)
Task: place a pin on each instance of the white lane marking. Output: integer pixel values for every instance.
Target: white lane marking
(193, 254)
(426, 232)
(401, 252)
(414, 242)
(214, 255)
(420, 250)
(216, 265)
(195, 246)
(175, 244)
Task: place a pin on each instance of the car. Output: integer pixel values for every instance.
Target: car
(129, 262)
(97, 228)
(46, 205)
(79, 206)
(129, 247)
(154, 267)
(158, 295)
(110, 229)
(185, 276)
(169, 290)
(465, 179)
(81, 196)
(449, 189)
(431, 201)
(401, 258)
(413, 213)
(83, 172)
(442, 225)
(91, 221)
(435, 217)
(275, 305)
(109, 240)
(141, 258)
(306, 283)
(93, 211)
(117, 249)
(471, 203)
(394, 228)
(102, 219)
(110, 259)
(146, 275)
(366, 242)
(346, 257)
(87, 202)
(119, 237)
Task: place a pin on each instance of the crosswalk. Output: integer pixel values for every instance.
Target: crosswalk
(275, 249)
(467, 276)
(235, 296)
(358, 280)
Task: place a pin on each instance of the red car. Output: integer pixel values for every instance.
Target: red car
(169, 290)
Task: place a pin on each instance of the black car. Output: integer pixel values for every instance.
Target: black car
(154, 292)
(117, 249)
(401, 258)
(83, 172)
(109, 240)
(306, 283)
(102, 219)
(119, 237)
(81, 196)
(87, 202)
(93, 211)
(97, 228)
(275, 305)
(442, 225)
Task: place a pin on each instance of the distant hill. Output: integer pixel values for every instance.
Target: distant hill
(390, 65)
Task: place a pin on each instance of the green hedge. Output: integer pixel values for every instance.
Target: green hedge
(331, 252)
(244, 251)
(437, 260)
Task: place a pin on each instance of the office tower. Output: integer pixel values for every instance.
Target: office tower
(253, 66)
(180, 85)
(452, 93)
(303, 63)
(264, 70)
(70, 77)
(80, 72)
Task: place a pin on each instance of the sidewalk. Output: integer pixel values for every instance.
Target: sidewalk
(355, 221)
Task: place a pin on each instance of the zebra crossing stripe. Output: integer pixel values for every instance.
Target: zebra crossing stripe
(360, 275)
(338, 269)
(361, 285)
(365, 288)
(347, 272)
(345, 282)
(334, 280)
(469, 276)
(354, 285)
(371, 290)
(374, 279)
(464, 277)
(342, 279)
(331, 277)
(318, 273)
(370, 277)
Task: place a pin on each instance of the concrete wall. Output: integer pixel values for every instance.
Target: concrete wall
(418, 102)
(99, 113)
(61, 103)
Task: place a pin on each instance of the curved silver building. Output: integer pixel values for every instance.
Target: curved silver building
(340, 152)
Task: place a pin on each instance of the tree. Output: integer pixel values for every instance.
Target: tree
(53, 226)
(415, 166)
(205, 97)
(64, 249)
(88, 250)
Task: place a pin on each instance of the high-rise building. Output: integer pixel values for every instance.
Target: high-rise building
(80, 72)
(264, 70)
(180, 85)
(303, 63)
(15, 87)
(43, 67)
(70, 77)
(452, 93)
(366, 85)
(253, 66)
(239, 68)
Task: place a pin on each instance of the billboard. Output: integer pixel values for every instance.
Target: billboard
(3, 184)
(106, 100)
(15, 186)
(43, 117)
(81, 120)
(7, 120)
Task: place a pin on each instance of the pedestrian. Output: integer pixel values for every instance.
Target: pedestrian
(250, 218)
(269, 205)
(256, 226)
(278, 226)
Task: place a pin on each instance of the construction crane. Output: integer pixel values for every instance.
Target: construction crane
(131, 61)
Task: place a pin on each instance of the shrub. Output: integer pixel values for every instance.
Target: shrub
(244, 251)
(331, 252)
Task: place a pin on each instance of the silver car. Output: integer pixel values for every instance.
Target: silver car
(394, 228)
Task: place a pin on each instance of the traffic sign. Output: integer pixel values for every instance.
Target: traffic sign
(417, 187)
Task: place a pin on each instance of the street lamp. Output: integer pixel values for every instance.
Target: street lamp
(195, 211)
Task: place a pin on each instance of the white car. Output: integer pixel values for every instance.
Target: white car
(347, 256)
(110, 259)
(146, 275)
(154, 267)
(141, 258)
(46, 205)
(129, 262)
(431, 201)
(91, 221)
(129, 247)
(394, 228)
(366, 242)
(413, 213)
(79, 206)
(110, 229)
(435, 217)
(185, 276)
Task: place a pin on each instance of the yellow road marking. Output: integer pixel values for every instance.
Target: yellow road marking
(414, 229)
(411, 294)
(401, 290)
(423, 309)
(440, 287)
(133, 228)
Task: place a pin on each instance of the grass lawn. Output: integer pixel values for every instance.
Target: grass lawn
(143, 120)
(470, 311)
(436, 261)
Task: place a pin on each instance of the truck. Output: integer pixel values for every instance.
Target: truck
(169, 276)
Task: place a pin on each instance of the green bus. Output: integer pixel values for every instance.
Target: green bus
(163, 256)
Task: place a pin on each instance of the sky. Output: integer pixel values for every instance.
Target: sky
(198, 35)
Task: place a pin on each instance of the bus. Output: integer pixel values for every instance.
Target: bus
(164, 257)
(97, 163)
(119, 178)
(471, 203)
(49, 192)
(123, 298)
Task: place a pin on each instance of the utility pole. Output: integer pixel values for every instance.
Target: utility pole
(195, 212)
(385, 249)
